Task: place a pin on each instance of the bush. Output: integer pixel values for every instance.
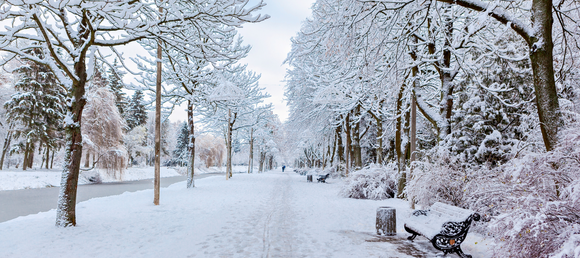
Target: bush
(530, 204)
(373, 182)
(535, 201)
(440, 177)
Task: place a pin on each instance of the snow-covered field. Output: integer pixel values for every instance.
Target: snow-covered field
(14, 179)
(251, 215)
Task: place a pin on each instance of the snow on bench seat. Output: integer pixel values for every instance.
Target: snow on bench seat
(444, 225)
(439, 213)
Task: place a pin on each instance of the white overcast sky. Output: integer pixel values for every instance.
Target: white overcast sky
(270, 41)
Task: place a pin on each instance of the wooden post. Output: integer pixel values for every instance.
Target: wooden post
(156, 181)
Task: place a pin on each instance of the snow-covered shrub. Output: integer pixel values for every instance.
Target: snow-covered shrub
(373, 182)
(90, 177)
(438, 177)
(533, 201)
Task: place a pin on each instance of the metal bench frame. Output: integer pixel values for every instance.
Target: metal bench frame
(452, 233)
(322, 179)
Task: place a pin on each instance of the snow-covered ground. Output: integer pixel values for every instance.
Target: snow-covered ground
(251, 215)
(14, 179)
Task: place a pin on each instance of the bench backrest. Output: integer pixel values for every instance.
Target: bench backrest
(451, 212)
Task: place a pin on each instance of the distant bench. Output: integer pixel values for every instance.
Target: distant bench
(444, 225)
(322, 179)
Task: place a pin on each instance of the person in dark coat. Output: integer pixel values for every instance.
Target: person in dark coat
(283, 167)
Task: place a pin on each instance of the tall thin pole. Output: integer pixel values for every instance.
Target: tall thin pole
(251, 161)
(156, 182)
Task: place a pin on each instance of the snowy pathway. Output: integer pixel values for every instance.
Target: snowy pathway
(259, 215)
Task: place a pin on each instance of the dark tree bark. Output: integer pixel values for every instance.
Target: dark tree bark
(31, 155)
(47, 155)
(7, 141)
(231, 122)
(340, 145)
(356, 140)
(87, 159)
(52, 158)
(65, 213)
(26, 153)
(379, 137)
(251, 161)
(349, 154)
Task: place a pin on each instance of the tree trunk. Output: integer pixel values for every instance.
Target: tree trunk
(7, 141)
(87, 159)
(333, 150)
(348, 144)
(44, 158)
(251, 161)
(356, 142)
(542, 60)
(47, 155)
(261, 163)
(229, 146)
(446, 106)
(340, 145)
(65, 213)
(190, 146)
(379, 138)
(399, 130)
(26, 153)
(413, 133)
(31, 155)
(52, 158)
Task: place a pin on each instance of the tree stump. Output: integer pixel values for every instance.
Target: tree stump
(386, 221)
(309, 178)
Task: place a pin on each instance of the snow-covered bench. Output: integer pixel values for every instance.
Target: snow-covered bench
(444, 225)
(322, 178)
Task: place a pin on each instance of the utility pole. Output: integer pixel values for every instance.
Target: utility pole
(156, 182)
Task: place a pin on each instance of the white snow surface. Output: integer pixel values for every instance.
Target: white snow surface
(270, 214)
(14, 179)
(438, 214)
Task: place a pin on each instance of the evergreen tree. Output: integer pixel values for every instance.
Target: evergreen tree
(115, 81)
(37, 108)
(180, 154)
(136, 115)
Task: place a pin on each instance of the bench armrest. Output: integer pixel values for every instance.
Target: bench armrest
(420, 213)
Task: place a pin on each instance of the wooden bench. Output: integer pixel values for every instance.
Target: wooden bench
(322, 179)
(444, 225)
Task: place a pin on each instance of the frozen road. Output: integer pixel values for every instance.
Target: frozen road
(16, 203)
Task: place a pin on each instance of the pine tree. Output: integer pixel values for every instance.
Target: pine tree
(180, 154)
(115, 81)
(37, 108)
(136, 115)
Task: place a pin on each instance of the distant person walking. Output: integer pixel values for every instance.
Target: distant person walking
(283, 167)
